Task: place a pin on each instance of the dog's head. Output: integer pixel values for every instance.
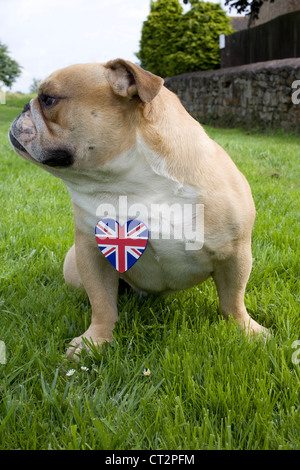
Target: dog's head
(84, 115)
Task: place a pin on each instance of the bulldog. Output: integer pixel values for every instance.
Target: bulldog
(111, 131)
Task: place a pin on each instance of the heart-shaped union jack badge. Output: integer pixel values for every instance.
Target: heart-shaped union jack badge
(122, 245)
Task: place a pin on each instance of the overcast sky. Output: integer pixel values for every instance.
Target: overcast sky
(45, 35)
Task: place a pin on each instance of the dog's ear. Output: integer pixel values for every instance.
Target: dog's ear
(128, 80)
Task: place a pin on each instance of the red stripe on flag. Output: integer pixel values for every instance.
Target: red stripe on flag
(136, 252)
(102, 240)
(108, 252)
(102, 227)
(139, 227)
(121, 250)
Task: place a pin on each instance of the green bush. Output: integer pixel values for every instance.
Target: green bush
(174, 42)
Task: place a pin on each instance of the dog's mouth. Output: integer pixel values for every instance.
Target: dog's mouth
(16, 143)
(57, 158)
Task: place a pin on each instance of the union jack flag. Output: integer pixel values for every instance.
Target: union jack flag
(122, 245)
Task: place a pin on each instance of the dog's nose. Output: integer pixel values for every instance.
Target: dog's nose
(26, 107)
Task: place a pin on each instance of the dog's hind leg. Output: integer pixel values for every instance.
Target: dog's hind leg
(70, 271)
(231, 276)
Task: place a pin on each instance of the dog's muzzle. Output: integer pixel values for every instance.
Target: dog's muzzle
(55, 157)
(15, 142)
(15, 131)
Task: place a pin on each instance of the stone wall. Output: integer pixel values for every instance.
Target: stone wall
(249, 96)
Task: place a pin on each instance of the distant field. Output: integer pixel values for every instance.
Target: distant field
(210, 387)
(14, 105)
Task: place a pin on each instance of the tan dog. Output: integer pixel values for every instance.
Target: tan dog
(111, 130)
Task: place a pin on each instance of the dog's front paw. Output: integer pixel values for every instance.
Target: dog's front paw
(89, 342)
(256, 330)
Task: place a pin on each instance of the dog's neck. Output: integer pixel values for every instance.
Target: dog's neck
(187, 149)
(136, 178)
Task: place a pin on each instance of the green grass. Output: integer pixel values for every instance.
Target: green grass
(210, 387)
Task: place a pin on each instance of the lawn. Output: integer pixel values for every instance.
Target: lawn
(209, 387)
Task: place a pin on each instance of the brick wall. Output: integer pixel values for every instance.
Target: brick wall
(254, 95)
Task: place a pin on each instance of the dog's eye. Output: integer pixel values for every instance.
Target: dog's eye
(48, 101)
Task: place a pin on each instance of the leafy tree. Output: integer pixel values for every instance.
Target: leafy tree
(160, 35)
(250, 7)
(34, 85)
(9, 68)
(173, 42)
(198, 37)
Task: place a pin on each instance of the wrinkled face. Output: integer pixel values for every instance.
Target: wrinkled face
(77, 121)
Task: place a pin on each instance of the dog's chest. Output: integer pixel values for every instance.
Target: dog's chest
(136, 187)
